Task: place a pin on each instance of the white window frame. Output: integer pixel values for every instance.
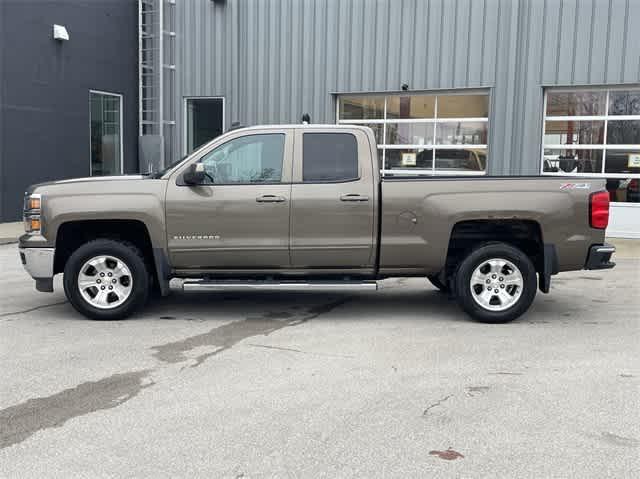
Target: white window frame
(602, 147)
(185, 133)
(121, 104)
(435, 121)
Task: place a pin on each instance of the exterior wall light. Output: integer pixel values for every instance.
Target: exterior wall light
(60, 33)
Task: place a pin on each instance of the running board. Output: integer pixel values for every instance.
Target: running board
(254, 285)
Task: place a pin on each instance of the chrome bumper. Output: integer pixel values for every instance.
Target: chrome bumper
(38, 262)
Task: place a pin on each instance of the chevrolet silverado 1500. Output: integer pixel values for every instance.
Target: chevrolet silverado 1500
(304, 207)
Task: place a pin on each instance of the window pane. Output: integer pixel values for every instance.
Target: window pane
(204, 121)
(463, 106)
(576, 103)
(466, 159)
(572, 161)
(624, 191)
(409, 133)
(623, 132)
(574, 133)
(329, 157)
(411, 107)
(378, 129)
(461, 133)
(105, 134)
(249, 159)
(624, 102)
(361, 107)
(409, 158)
(622, 161)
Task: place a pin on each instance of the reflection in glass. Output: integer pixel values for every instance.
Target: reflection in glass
(623, 132)
(573, 132)
(572, 161)
(624, 102)
(247, 159)
(461, 133)
(411, 106)
(463, 106)
(626, 190)
(409, 133)
(467, 159)
(576, 103)
(361, 107)
(409, 158)
(622, 161)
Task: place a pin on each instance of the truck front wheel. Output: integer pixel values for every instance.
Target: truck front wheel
(106, 279)
(496, 283)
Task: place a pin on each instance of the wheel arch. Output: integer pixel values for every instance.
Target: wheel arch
(72, 234)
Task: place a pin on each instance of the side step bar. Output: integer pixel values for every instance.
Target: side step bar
(256, 285)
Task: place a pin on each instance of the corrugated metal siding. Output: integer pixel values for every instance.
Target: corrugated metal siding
(272, 60)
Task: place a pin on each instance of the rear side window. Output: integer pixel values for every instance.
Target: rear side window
(329, 157)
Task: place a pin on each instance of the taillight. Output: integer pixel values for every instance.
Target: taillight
(599, 210)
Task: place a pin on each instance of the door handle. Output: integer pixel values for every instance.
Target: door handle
(270, 199)
(354, 197)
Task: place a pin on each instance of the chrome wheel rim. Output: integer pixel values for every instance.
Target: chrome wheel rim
(105, 282)
(496, 284)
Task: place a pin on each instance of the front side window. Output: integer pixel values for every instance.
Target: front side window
(594, 132)
(248, 159)
(105, 133)
(424, 133)
(329, 157)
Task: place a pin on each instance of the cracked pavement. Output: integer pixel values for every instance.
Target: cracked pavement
(397, 383)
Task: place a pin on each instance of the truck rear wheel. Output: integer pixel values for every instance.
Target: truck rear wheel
(106, 279)
(496, 283)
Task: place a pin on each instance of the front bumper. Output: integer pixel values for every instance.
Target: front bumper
(39, 264)
(600, 257)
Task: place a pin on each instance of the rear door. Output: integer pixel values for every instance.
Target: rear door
(332, 200)
(239, 218)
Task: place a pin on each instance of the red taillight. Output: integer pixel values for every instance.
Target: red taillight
(599, 210)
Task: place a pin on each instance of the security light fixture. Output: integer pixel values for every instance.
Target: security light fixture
(60, 33)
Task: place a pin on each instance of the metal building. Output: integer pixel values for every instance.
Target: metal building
(498, 87)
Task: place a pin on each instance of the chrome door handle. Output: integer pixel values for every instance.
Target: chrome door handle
(270, 199)
(354, 197)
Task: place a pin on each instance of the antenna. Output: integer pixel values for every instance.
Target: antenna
(306, 118)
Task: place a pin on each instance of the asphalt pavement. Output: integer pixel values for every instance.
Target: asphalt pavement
(398, 383)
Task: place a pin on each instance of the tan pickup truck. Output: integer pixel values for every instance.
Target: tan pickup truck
(303, 207)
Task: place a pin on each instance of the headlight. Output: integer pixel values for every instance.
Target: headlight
(32, 210)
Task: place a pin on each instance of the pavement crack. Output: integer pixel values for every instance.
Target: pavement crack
(36, 308)
(437, 403)
(293, 350)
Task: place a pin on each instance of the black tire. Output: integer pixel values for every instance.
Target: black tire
(435, 280)
(474, 260)
(122, 250)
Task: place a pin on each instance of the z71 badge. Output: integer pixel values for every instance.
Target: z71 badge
(575, 186)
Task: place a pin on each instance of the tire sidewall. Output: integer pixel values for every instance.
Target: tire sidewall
(122, 251)
(473, 260)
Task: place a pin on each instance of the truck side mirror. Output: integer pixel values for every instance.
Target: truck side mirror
(194, 175)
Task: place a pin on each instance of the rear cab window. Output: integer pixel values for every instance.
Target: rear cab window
(329, 157)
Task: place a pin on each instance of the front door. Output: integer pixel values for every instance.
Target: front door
(239, 217)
